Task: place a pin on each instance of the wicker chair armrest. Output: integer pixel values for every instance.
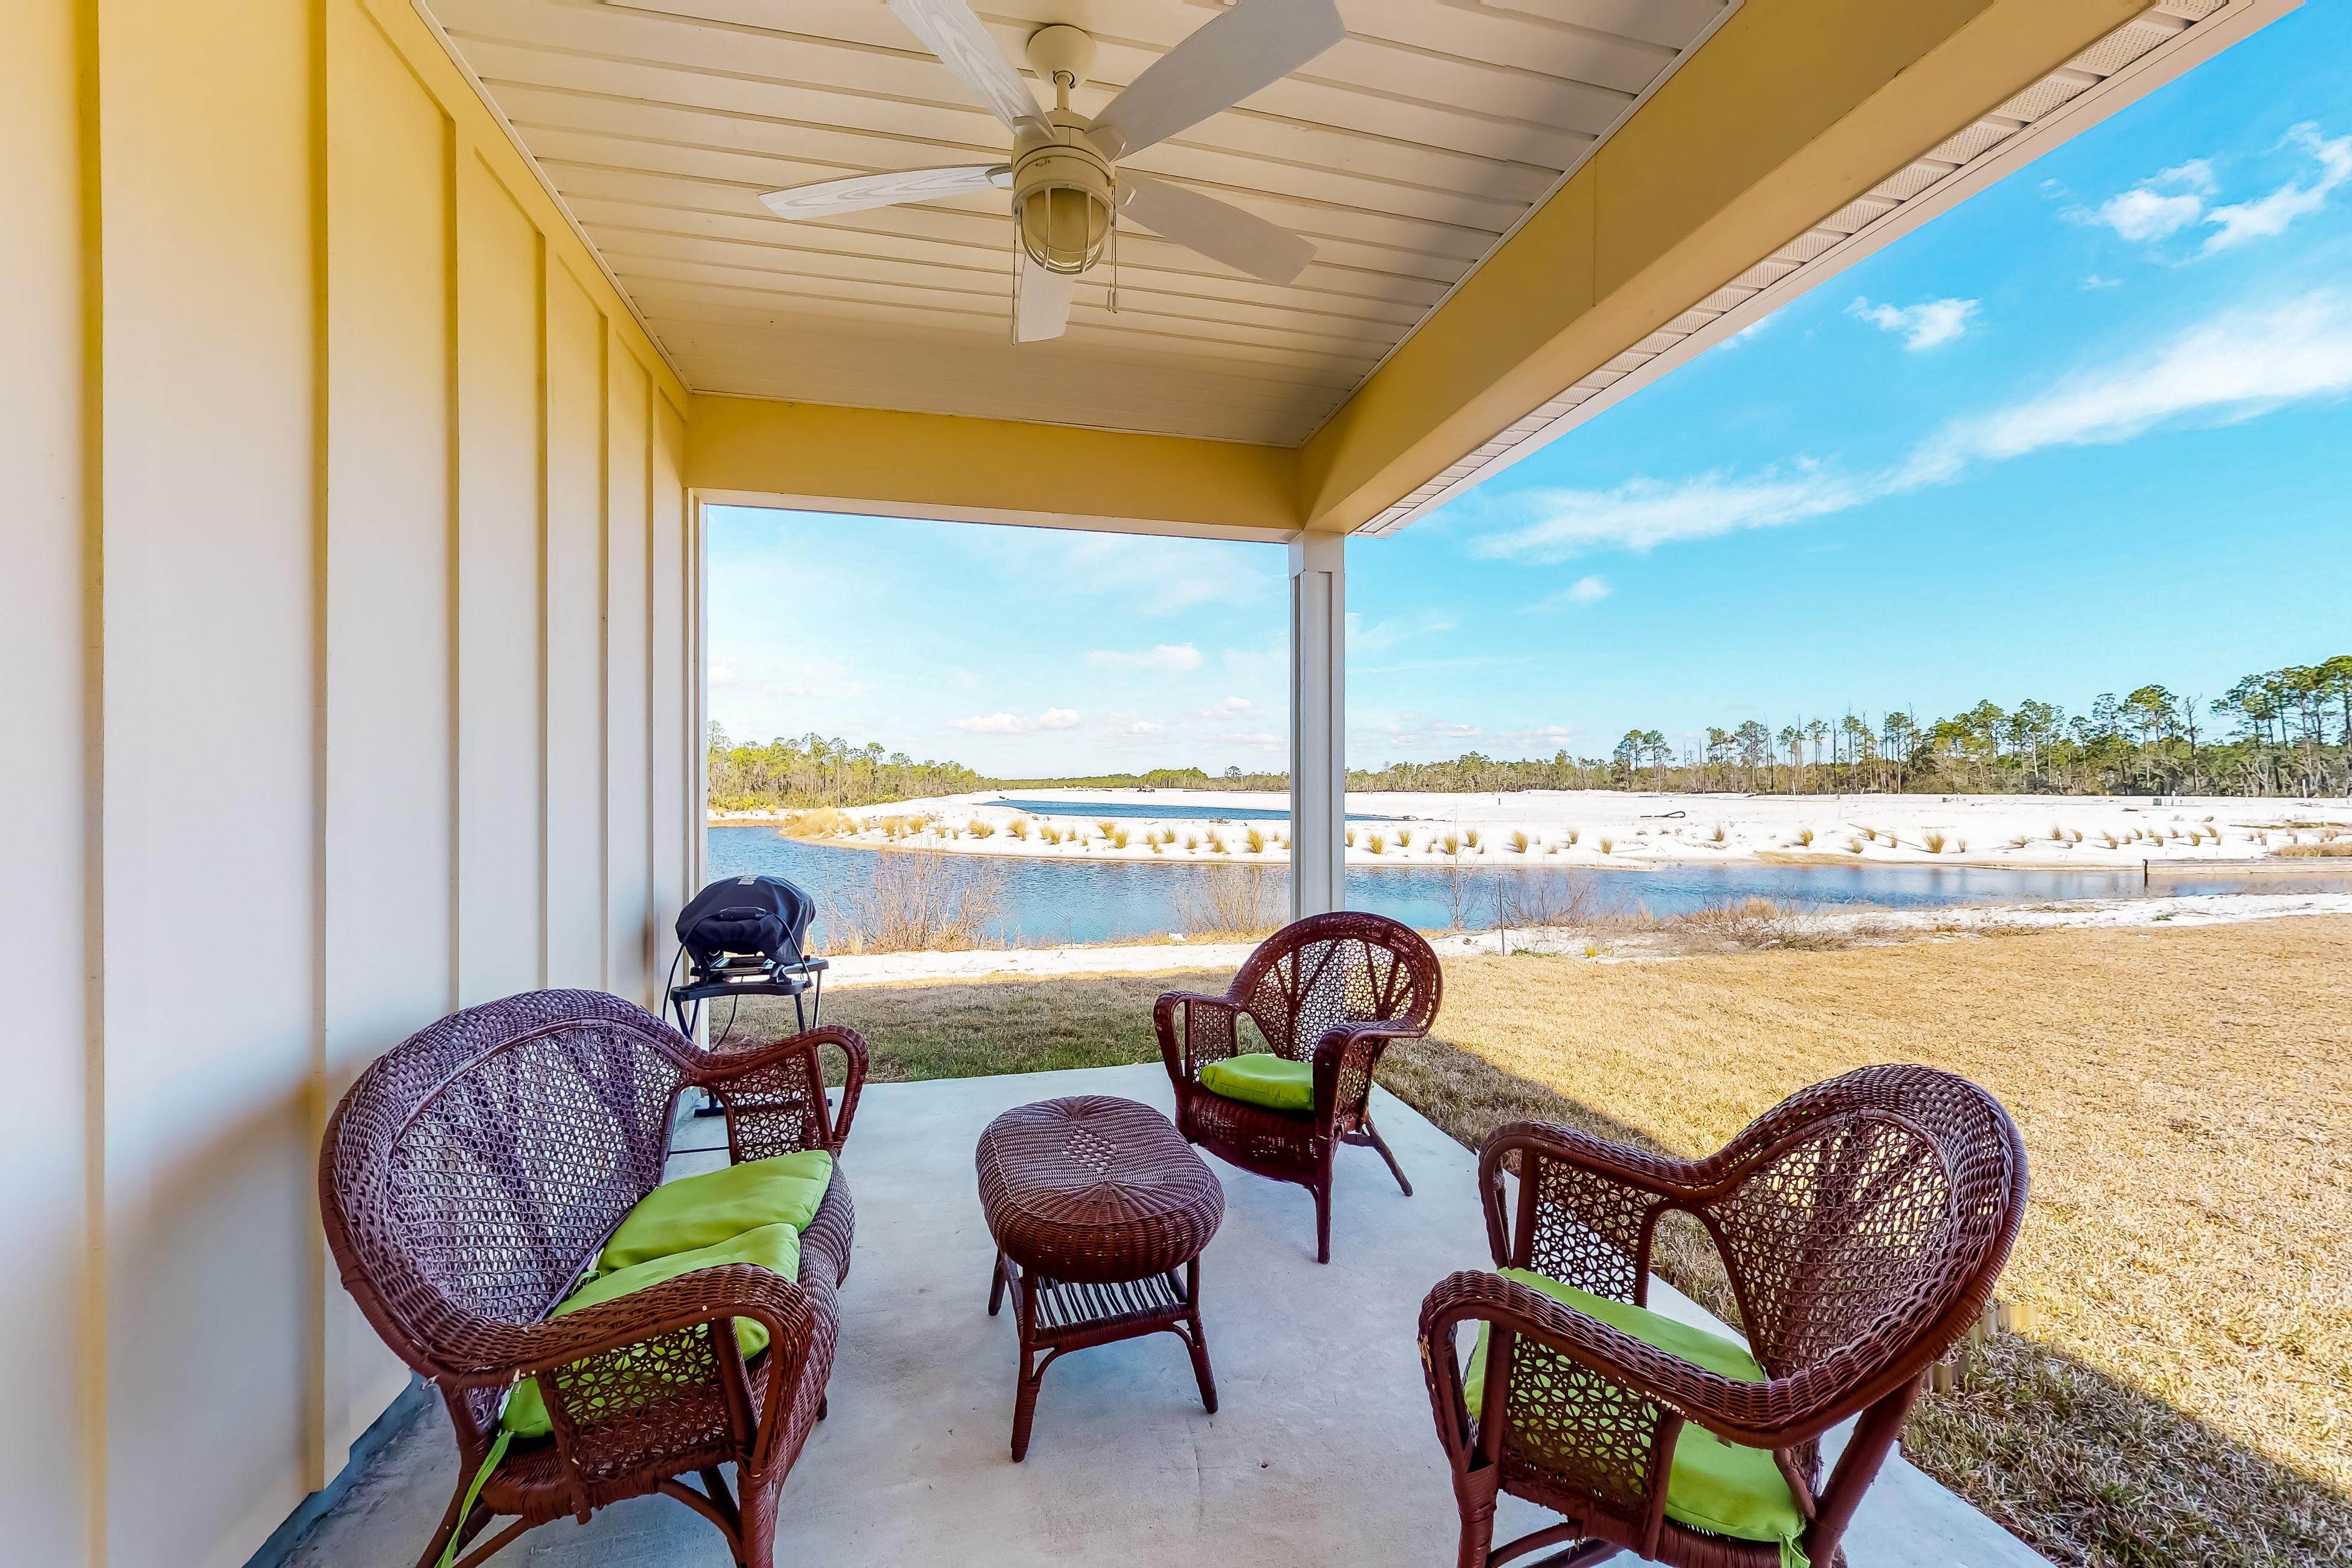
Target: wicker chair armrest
(1778, 1413)
(740, 1072)
(1346, 1054)
(644, 1318)
(1637, 1495)
(1179, 1040)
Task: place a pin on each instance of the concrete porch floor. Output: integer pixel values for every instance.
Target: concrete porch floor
(1322, 1449)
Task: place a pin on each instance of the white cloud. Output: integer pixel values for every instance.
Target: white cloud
(2161, 204)
(1148, 574)
(1386, 634)
(1013, 724)
(1642, 514)
(1924, 325)
(2096, 281)
(1145, 727)
(2270, 214)
(2234, 366)
(1226, 708)
(1166, 656)
(2140, 215)
(1577, 596)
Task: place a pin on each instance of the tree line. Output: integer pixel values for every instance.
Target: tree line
(797, 774)
(2280, 732)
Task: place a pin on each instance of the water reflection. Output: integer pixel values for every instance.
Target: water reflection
(1078, 900)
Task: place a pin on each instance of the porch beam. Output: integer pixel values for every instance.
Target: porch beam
(1319, 723)
(891, 463)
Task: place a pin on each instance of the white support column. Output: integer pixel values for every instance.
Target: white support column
(1319, 723)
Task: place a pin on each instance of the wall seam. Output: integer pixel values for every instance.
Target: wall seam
(91, 1352)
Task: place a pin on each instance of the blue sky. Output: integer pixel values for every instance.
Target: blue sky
(2089, 430)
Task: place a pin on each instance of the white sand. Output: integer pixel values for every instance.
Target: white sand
(1638, 830)
(1869, 927)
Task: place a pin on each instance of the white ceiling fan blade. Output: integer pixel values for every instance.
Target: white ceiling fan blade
(1042, 310)
(1257, 43)
(950, 31)
(864, 191)
(1218, 230)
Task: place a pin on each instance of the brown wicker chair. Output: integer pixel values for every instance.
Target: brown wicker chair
(1332, 990)
(1862, 1222)
(474, 1172)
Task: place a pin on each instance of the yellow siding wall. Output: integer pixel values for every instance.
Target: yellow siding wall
(344, 603)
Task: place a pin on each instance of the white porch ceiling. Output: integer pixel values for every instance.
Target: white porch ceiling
(1405, 153)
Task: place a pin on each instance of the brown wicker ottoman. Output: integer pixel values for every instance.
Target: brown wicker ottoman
(1095, 1204)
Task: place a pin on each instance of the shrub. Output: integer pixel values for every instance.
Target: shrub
(2057, 834)
(2021, 841)
(1718, 835)
(1470, 836)
(924, 900)
(1192, 841)
(1854, 845)
(1572, 835)
(1607, 846)
(2111, 840)
(1107, 828)
(1238, 900)
(1350, 837)
(1119, 838)
(1216, 845)
(978, 829)
(1255, 840)
(1379, 844)
(1935, 842)
(1404, 838)
(1453, 845)
(1049, 833)
(1018, 827)
(1804, 837)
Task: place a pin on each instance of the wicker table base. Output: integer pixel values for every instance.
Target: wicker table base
(1100, 1213)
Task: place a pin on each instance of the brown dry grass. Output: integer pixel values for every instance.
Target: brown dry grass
(2185, 1392)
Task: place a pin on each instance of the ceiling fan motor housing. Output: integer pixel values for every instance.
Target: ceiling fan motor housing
(1061, 194)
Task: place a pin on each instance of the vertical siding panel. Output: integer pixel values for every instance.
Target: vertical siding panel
(672, 707)
(501, 644)
(630, 936)
(44, 1220)
(575, 634)
(389, 827)
(208, 826)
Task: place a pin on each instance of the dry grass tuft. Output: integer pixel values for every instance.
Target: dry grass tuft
(1519, 842)
(1452, 844)
(1019, 828)
(1854, 845)
(1607, 846)
(1470, 836)
(1378, 845)
(1935, 843)
(1119, 838)
(2333, 849)
(1404, 838)
(978, 829)
(1255, 840)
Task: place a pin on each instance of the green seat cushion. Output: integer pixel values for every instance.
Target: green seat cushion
(1712, 1485)
(774, 1248)
(695, 1212)
(1263, 1079)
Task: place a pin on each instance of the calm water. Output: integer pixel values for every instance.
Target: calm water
(1175, 811)
(1078, 900)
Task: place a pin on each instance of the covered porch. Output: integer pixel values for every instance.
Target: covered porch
(1320, 1448)
(369, 364)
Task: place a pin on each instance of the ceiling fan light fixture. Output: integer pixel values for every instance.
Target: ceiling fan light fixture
(1062, 194)
(1063, 228)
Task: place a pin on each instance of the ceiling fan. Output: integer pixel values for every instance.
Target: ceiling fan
(1068, 188)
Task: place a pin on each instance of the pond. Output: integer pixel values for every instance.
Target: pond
(1049, 901)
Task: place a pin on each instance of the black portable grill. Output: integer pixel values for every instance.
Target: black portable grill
(743, 937)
